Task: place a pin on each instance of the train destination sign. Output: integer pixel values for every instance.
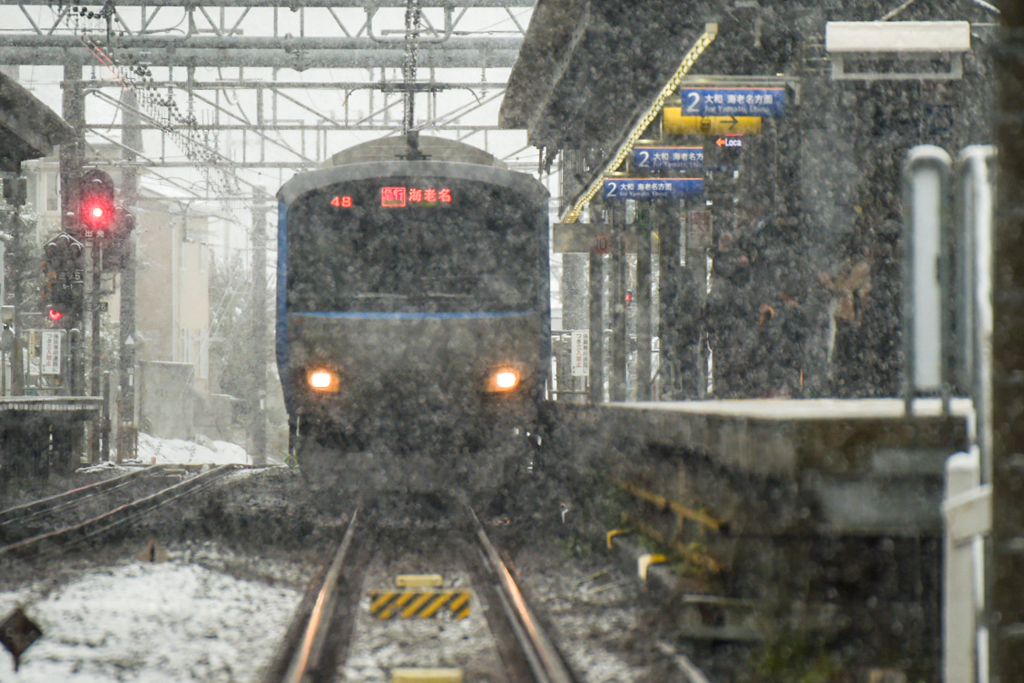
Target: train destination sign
(674, 123)
(668, 158)
(733, 101)
(401, 197)
(652, 188)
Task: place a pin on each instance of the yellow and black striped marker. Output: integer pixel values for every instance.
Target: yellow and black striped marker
(419, 604)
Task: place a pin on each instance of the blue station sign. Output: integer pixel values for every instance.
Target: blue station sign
(733, 101)
(668, 158)
(652, 188)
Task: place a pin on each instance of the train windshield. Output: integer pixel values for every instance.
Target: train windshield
(415, 244)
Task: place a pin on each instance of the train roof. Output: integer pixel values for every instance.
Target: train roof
(394, 147)
(387, 157)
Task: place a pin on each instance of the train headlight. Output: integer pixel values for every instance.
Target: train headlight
(323, 381)
(503, 380)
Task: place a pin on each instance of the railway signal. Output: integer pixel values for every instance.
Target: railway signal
(63, 252)
(115, 246)
(96, 207)
(62, 260)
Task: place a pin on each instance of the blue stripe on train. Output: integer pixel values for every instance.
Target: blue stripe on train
(415, 316)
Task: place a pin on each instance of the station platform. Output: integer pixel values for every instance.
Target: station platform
(861, 466)
(783, 436)
(82, 406)
(37, 433)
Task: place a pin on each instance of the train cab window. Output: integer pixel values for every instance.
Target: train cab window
(479, 250)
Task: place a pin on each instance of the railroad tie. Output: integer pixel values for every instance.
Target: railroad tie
(419, 603)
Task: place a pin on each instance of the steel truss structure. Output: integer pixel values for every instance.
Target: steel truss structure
(178, 55)
(130, 27)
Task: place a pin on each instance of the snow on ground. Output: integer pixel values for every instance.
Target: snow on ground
(156, 451)
(150, 623)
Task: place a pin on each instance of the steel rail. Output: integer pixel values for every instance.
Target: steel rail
(300, 653)
(61, 500)
(117, 516)
(546, 662)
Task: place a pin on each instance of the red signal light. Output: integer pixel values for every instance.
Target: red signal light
(55, 315)
(97, 213)
(96, 209)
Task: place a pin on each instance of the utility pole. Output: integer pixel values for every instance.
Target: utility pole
(96, 254)
(71, 152)
(642, 298)
(1005, 600)
(16, 197)
(258, 400)
(131, 138)
(617, 305)
(70, 170)
(597, 296)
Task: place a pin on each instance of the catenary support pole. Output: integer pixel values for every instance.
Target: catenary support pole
(258, 427)
(96, 254)
(71, 153)
(596, 328)
(131, 138)
(18, 269)
(642, 297)
(617, 305)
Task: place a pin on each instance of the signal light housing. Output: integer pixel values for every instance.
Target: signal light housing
(96, 206)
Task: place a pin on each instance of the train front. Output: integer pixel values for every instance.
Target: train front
(413, 323)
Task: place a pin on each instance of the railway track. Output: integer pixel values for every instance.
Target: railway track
(346, 615)
(69, 518)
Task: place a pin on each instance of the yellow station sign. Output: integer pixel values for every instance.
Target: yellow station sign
(677, 124)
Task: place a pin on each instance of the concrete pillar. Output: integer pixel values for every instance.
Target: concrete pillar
(958, 624)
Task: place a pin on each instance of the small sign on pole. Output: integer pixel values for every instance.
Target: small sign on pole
(652, 188)
(50, 359)
(699, 223)
(581, 353)
(733, 101)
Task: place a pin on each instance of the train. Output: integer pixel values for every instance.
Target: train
(413, 317)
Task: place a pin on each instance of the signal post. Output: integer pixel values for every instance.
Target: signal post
(106, 228)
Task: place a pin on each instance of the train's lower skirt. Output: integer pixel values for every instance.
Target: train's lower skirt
(483, 458)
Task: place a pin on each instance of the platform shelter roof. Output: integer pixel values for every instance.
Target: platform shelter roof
(28, 128)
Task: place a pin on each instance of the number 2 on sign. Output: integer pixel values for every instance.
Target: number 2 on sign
(694, 103)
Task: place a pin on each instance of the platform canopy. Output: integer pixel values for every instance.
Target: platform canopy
(28, 128)
(585, 68)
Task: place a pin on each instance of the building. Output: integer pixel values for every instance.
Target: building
(172, 294)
